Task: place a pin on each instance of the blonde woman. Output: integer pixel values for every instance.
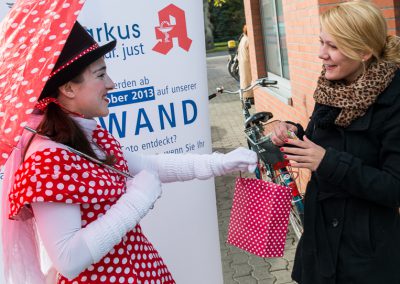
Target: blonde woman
(351, 145)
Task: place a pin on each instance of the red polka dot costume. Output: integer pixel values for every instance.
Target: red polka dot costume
(57, 175)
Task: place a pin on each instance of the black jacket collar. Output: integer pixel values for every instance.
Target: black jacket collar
(392, 91)
(388, 97)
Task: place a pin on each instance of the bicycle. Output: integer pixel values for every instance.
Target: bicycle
(271, 166)
(233, 66)
(233, 61)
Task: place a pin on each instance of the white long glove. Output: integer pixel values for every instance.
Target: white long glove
(141, 194)
(177, 167)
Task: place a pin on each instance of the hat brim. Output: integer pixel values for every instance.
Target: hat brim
(75, 68)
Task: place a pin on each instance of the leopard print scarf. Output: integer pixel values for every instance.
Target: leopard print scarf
(354, 99)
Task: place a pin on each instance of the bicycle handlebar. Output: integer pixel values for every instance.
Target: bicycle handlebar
(263, 82)
(210, 97)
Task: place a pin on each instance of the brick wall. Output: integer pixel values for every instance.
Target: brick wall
(302, 31)
(254, 32)
(388, 7)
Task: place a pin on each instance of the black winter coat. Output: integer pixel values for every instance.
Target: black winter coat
(352, 221)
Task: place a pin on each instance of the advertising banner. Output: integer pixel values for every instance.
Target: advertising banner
(160, 105)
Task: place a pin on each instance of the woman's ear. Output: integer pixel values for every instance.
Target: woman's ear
(66, 90)
(365, 57)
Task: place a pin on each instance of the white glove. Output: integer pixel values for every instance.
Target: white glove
(172, 167)
(143, 191)
(240, 159)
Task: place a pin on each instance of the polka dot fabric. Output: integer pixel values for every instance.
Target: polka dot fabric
(56, 175)
(259, 217)
(32, 36)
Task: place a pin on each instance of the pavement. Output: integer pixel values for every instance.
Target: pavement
(239, 267)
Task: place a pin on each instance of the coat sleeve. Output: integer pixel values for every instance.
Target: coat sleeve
(59, 226)
(379, 184)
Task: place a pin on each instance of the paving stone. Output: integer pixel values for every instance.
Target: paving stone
(290, 265)
(242, 270)
(224, 228)
(224, 252)
(291, 242)
(225, 205)
(226, 213)
(267, 281)
(262, 273)
(282, 276)
(277, 264)
(225, 256)
(239, 258)
(257, 261)
(246, 280)
(227, 268)
(222, 241)
(289, 254)
(234, 249)
(228, 279)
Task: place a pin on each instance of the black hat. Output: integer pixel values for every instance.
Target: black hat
(79, 51)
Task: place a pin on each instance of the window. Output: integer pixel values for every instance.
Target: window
(275, 48)
(275, 38)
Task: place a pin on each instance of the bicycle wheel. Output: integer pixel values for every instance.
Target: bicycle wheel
(269, 155)
(296, 215)
(233, 68)
(296, 220)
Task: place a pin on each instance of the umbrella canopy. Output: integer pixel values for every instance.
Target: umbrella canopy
(32, 36)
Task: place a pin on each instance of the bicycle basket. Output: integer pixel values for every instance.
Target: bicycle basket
(262, 144)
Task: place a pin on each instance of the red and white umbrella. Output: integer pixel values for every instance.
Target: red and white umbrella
(32, 36)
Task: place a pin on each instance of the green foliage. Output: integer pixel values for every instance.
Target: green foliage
(219, 46)
(227, 17)
(217, 3)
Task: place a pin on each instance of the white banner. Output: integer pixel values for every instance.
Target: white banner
(160, 105)
(5, 6)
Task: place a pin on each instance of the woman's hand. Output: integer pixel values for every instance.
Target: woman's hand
(281, 133)
(305, 154)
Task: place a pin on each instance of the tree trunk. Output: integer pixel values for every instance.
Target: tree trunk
(208, 26)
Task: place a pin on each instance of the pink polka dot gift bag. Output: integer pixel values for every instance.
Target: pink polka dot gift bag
(259, 217)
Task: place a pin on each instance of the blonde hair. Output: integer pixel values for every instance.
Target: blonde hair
(359, 27)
